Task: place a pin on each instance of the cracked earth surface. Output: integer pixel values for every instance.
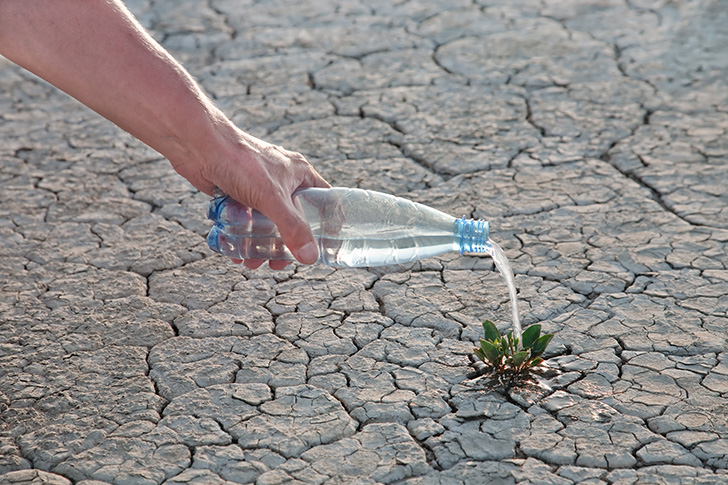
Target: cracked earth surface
(592, 134)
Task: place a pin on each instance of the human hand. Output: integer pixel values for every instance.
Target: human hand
(261, 176)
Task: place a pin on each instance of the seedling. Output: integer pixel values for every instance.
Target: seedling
(505, 353)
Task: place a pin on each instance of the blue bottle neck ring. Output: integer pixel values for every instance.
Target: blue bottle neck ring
(472, 235)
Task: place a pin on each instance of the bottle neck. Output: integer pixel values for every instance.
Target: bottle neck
(472, 235)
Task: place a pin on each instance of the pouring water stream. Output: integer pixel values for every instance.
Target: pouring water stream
(504, 268)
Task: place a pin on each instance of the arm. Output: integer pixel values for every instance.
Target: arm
(97, 52)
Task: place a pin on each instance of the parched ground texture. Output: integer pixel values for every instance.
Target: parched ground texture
(591, 134)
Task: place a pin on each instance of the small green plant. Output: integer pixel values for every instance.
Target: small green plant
(503, 352)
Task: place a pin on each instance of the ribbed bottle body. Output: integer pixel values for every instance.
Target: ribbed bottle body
(353, 227)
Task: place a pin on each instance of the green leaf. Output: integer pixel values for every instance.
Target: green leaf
(479, 354)
(502, 345)
(530, 335)
(535, 361)
(491, 331)
(508, 343)
(539, 347)
(519, 358)
(491, 352)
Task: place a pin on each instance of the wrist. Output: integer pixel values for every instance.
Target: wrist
(201, 148)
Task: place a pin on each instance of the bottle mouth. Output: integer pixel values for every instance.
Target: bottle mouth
(473, 235)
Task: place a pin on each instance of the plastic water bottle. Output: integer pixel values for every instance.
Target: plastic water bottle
(353, 227)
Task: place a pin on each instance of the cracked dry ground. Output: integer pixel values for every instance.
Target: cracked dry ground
(592, 134)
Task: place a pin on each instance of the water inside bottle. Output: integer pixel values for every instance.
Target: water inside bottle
(504, 268)
(366, 252)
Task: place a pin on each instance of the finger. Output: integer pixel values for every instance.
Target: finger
(277, 264)
(253, 263)
(313, 179)
(308, 175)
(297, 235)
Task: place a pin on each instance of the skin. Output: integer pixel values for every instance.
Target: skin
(98, 53)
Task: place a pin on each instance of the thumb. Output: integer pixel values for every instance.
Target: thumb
(296, 234)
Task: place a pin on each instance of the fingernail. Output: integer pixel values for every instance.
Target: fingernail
(308, 254)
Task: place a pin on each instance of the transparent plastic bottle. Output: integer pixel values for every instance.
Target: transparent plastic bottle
(353, 227)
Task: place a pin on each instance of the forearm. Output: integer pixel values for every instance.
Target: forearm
(96, 51)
